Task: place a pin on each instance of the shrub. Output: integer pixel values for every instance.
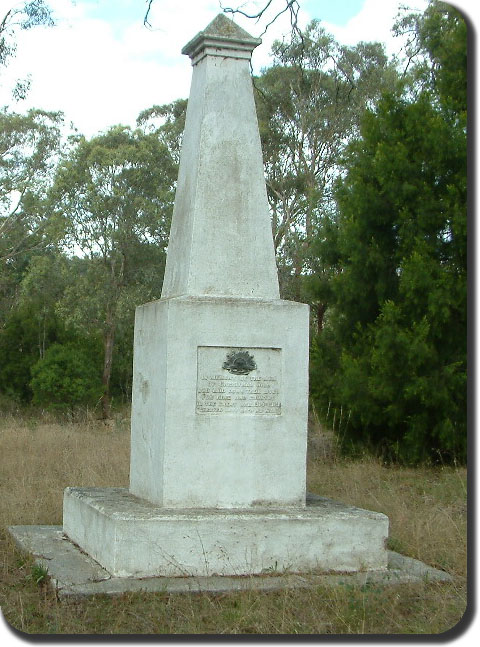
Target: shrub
(67, 376)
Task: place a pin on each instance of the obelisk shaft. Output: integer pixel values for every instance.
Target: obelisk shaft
(221, 240)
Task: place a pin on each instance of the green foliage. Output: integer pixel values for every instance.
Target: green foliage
(309, 105)
(113, 196)
(440, 35)
(110, 201)
(167, 122)
(30, 13)
(33, 324)
(39, 574)
(29, 145)
(399, 323)
(68, 376)
(18, 352)
(25, 335)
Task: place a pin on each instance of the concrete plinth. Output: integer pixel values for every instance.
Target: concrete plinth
(205, 435)
(73, 574)
(131, 537)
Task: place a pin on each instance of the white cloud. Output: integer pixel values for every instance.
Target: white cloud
(101, 72)
(374, 23)
(96, 77)
(100, 75)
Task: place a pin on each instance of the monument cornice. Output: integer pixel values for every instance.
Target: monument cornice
(222, 37)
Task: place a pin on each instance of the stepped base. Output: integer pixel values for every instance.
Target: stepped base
(131, 537)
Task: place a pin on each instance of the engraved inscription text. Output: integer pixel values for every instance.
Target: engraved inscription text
(221, 392)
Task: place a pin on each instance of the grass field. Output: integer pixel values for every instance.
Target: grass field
(39, 457)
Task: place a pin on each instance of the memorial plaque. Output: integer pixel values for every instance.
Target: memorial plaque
(239, 381)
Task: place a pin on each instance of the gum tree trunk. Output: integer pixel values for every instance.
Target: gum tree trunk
(108, 340)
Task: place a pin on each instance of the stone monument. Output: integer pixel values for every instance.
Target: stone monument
(220, 390)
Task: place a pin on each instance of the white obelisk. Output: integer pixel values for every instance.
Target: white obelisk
(206, 434)
(220, 388)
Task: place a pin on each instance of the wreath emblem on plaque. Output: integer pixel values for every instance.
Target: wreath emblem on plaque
(239, 362)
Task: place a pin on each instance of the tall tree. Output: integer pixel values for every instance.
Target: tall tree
(167, 122)
(113, 195)
(29, 149)
(21, 16)
(309, 104)
(399, 325)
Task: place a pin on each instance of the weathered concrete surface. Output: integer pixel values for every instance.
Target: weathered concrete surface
(131, 537)
(67, 565)
(74, 574)
(187, 454)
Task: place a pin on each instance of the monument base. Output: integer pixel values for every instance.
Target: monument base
(131, 537)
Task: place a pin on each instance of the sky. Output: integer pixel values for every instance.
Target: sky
(101, 66)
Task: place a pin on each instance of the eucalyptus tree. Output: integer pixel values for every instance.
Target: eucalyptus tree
(310, 103)
(17, 16)
(167, 122)
(29, 148)
(113, 197)
(23, 15)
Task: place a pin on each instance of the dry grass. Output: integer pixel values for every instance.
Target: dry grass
(426, 507)
(40, 458)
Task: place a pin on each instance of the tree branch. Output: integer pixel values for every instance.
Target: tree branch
(291, 5)
(146, 21)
